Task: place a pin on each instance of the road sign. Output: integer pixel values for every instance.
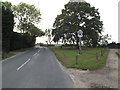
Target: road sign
(80, 33)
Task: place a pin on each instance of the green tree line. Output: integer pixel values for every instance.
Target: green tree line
(23, 17)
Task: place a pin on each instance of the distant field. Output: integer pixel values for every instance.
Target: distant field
(87, 60)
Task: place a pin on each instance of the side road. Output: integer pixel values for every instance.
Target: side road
(103, 78)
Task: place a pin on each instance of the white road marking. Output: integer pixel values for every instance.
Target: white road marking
(35, 54)
(39, 51)
(23, 64)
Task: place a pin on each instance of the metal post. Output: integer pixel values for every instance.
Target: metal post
(96, 57)
(101, 52)
(80, 50)
(76, 59)
(80, 34)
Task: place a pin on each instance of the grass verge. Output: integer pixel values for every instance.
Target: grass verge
(86, 60)
(12, 53)
(6, 55)
(118, 54)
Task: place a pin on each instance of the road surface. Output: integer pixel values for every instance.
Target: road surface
(36, 68)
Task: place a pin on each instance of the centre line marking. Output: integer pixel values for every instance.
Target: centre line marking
(35, 54)
(23, 64)
(39, 51)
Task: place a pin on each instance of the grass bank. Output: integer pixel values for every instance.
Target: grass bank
(91, 58)
(6, 55)
(118, 54)
(12, 53)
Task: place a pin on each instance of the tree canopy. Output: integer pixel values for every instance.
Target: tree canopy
(75, 16)
(27, 16)
(48, 35)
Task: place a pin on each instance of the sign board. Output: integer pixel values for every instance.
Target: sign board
(80, 33)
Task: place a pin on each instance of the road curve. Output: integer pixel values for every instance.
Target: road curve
(36, 68)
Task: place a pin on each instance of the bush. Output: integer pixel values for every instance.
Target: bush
(41, 44)
(114, 45)
(19, 41)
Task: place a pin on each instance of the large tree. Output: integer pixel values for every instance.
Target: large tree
(27, 16)
(75, 16)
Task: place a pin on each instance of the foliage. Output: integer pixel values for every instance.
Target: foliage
(19, 41)
(118, 54)
(104, 39)
(6, 55)
(49, 35)
(7, 25)
(114, 45)
(27, 16)
(41, 44)
(34, 31)
(75, 16)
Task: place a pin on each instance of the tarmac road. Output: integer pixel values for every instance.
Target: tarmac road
(36, 68)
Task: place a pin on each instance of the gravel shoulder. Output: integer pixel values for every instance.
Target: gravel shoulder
(102, 78)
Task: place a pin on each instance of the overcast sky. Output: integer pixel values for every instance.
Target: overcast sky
(51, 8)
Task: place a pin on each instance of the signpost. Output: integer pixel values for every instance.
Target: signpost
(80, 34)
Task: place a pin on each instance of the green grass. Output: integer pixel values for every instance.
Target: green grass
(12, 53)
(86, 60)
(118, 54)
(6, 55)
